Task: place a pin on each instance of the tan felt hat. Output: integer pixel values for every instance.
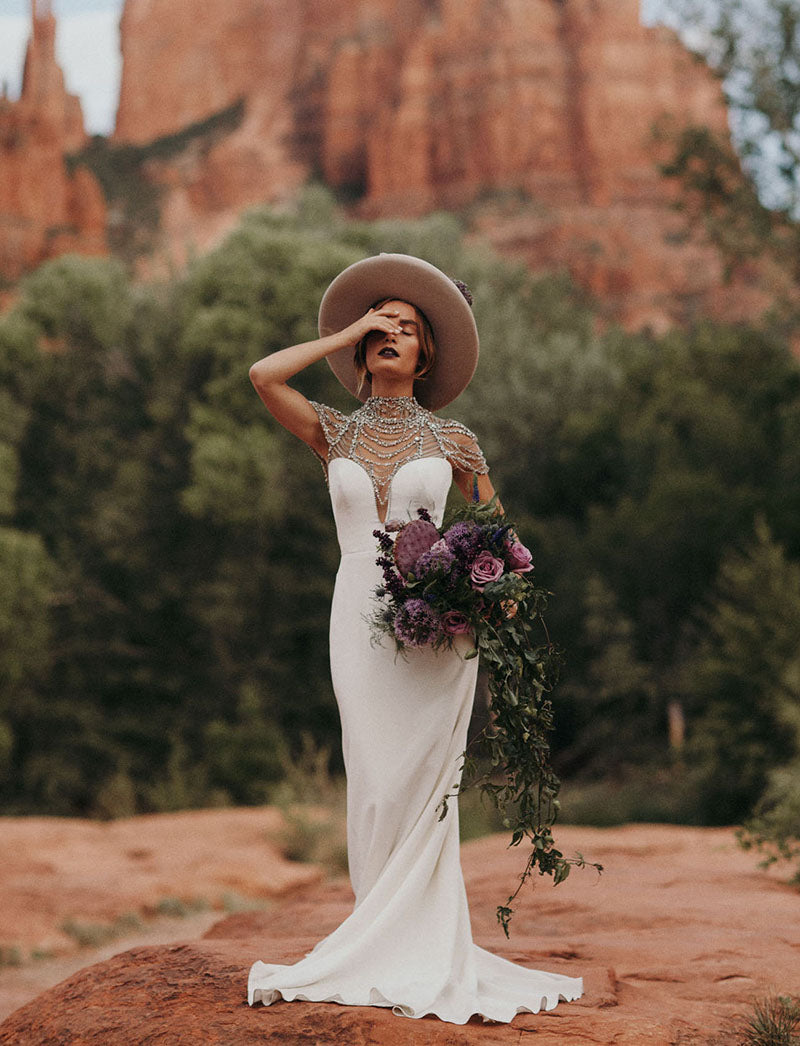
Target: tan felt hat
(410, 279)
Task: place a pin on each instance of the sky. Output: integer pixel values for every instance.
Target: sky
(87, 46)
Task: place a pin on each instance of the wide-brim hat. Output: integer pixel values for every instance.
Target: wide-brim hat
(419, 283)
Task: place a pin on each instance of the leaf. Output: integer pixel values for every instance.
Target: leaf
(561, 873)
(504, 914)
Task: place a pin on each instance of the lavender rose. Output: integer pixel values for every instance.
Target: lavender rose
(519, 558)
(486, 568)
(454, 623)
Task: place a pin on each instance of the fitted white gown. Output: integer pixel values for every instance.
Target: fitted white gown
(408, 943)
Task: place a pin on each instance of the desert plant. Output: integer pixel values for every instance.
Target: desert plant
(178, 908)
(312, 802)
(774, 828)
(10, 955)
(775, 1021)
(93, 935)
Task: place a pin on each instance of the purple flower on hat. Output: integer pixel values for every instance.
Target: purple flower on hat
(464, 290)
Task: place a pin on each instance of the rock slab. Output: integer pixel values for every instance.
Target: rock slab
(674, 941)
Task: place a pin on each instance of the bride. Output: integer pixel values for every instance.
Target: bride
(400, 335)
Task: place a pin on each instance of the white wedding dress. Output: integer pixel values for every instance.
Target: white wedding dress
(408, 943)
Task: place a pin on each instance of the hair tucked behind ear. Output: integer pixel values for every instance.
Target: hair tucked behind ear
(427, 348)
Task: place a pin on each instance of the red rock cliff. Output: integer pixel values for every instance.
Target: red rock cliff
(542, 111)
(44, 209)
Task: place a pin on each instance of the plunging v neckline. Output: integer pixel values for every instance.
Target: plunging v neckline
(392, 478)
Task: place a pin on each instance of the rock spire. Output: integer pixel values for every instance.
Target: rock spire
(45, 209)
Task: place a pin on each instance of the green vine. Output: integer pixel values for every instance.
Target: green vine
(515, 743)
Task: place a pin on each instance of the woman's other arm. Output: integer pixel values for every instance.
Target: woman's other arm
(465, 481)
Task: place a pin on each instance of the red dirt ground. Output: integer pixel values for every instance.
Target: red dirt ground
(674, 940)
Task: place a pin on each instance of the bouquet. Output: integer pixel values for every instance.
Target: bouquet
(474, 577)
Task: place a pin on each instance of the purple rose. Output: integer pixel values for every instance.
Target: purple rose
(519, 558)
(486, 568)
(455, 623)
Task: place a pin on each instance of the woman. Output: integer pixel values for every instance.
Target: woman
(408, 943)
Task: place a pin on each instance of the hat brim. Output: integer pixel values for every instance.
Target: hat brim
(410, 279)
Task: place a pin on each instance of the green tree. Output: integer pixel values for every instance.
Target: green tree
(616, 694)
(25, 599)
(746, 196)
(743, 682)
(179, 549)
(754, 48)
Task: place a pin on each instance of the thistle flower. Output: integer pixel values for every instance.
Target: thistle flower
(437, 560)
(464, 540)
(415, 624)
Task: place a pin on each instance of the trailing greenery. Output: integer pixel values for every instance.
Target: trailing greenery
(515, 744)
(473, 577)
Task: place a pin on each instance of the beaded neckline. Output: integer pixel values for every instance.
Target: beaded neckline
(394, 406)
(386, 432)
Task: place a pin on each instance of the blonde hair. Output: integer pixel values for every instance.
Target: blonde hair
(427, 347)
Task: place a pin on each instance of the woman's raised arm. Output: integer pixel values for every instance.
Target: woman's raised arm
(288, 406)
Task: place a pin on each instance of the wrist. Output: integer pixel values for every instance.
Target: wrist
(347, 338)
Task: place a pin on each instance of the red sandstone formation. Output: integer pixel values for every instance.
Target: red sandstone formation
(44, 209)
(546, 107)
(674, 941)
(534, 117)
